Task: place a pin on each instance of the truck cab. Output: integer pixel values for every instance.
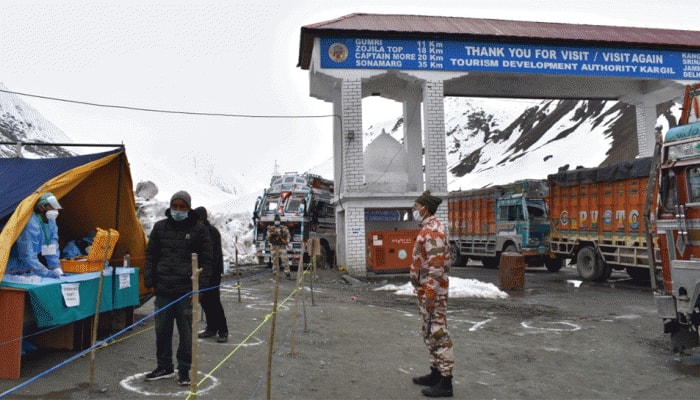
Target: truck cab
(510, 218)
(303, 202)
(677, 227)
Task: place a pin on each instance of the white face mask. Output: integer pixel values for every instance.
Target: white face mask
(51, 215)
(417, 216)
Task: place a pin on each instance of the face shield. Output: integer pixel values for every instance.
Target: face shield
(48, 199)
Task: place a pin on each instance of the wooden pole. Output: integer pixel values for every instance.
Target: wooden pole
(295, 313)
(271, 347)
(195, 325)
(316, 254)
(311, 284)
(96, 318)
(303, 305)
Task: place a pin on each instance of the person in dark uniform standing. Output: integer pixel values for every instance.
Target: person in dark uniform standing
(211, 297)
(168, 270)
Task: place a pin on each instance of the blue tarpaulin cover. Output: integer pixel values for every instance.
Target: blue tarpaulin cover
(19, 177)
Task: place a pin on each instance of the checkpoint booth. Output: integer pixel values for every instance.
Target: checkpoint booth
(96, 194)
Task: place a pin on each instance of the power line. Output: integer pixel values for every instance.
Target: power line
(155, 110)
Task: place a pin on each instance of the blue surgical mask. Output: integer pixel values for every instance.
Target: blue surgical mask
(178, 215)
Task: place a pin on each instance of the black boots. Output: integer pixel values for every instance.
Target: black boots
(428, 380)
(441, 389)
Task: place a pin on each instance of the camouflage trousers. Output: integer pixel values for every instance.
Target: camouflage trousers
(279, 255)
(436, 336)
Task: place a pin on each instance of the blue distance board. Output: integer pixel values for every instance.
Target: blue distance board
(450, 55)
(382, 216)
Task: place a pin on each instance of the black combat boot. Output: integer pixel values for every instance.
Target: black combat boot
(428, 380)
(441, 389)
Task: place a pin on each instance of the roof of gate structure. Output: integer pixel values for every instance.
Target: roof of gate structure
(492, 84)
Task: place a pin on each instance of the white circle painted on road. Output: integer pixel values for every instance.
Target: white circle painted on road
(558, 326)
(137, 384)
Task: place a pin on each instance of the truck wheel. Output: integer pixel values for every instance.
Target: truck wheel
(490, 262)
(588, 264)
(511, 248)
(456, 257)
(638, 274)
(607, 270)
(553, 264)
(684, 339)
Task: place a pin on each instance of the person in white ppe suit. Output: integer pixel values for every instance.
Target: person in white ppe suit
(38, 240)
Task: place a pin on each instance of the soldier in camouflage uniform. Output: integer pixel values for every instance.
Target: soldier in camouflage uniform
(278, 236)
(429, 276)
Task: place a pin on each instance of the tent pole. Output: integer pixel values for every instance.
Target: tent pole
(116, 226)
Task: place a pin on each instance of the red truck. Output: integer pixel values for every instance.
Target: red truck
(676, 218)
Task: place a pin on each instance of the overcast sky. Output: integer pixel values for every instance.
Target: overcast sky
(232, 57)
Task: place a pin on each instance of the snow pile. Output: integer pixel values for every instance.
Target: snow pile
(236, 228)
(459, 287)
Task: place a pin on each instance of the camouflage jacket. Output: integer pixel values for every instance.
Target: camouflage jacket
(278, 235)
(431, 255)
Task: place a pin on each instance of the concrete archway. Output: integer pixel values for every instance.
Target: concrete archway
(419, 60)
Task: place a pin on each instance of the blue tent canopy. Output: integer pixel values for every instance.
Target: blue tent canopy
(19, 177)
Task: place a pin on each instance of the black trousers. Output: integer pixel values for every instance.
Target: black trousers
(210, 300)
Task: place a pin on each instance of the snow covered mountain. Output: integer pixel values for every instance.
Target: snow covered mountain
(497, 141)
(19, 122)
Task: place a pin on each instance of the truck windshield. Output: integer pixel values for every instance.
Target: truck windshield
(294, 205)
(270, 205)
(536, 209)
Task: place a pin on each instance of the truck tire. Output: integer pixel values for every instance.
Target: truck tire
(607, 271)
(638, 274)
(490, 262)
(456, 257)
(684, 339)
(588, 264)
(553, 264)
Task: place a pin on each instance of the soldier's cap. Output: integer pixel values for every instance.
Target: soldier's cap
(430, 201)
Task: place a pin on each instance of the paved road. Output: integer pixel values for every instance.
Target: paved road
(548, 341)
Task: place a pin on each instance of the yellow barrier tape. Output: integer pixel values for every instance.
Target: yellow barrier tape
(235, 349)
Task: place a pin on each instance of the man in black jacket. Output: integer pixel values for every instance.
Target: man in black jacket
(211, 297)
(168, 270)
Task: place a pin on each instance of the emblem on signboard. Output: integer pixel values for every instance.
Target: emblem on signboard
(338, 52)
